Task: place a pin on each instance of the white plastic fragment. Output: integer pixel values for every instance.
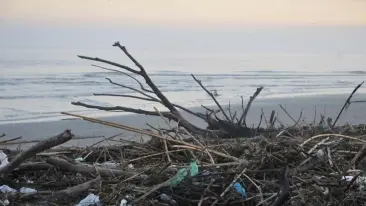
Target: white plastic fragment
(109, 165)
(347, 178)
(3, 159)
(26, 190)
(361, 180)
(5, 202)
(123, 202)
(320, 154)
(6, 189)
(91, 199)
(79, 159)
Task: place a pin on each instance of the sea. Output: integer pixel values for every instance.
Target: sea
(38, 83)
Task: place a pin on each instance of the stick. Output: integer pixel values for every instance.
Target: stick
(40, 147)
(251, 99)
(347, 102)
(153, 189)
(205, 191)
(213, 97)
(132, 129)
(285, 188)
(85, 169)
(77, 189)
(336, 135)
(228, 187)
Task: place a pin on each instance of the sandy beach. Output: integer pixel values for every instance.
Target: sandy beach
(329, 105)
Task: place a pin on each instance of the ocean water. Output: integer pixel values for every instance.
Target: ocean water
(37, 84)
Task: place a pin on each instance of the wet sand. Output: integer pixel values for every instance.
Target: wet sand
(329, 105)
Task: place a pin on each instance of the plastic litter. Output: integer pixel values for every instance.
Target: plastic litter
(5, 202)
(26, 190)
(81, 159)
(361, 180)
(3, 159)
(109, 165)
(6, 189)
(164, 197)
(89, 200)
(182, 173)
(123, 202)
(240, 189)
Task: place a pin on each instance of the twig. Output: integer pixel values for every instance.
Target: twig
(205, 191)
(77, 189)
(251, 99)
(132, 129)
(258, 188)
(199, 115)
(285, 188)
(228, 187)
(327, 135)
(213, 97)
(153, 155)
(110, 63)
(118, 71)
(152, 190)
(347, 103)
(85, 169)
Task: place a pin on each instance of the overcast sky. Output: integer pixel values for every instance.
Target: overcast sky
(190, 25)
(186, 12)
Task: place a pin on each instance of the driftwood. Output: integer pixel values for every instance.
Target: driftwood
(40, 147)
(86, 169)
(77, 189)
(229, 127)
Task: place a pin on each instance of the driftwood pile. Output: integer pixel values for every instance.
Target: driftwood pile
(226, 163)
(288, 167)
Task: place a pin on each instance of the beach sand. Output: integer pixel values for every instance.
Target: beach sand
(329, 105)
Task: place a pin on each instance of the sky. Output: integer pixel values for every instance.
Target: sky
(181, 13)
(187, 25)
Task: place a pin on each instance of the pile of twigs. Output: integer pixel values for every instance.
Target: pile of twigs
(297, 166)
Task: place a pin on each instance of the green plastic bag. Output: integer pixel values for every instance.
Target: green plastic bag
(182, 173)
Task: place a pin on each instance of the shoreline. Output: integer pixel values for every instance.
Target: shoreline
(330, 104)
(259, 100)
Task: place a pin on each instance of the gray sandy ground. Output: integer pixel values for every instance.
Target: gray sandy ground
(330, 105)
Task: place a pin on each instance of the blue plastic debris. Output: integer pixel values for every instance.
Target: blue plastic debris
(240, 189)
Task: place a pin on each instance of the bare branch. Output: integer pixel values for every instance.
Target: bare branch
(123, 48)
(199, 115)
(213, 97)
(168, 115)
(129, 75)
(110, 63)
(347, 103)
(251, 99)
(149, 82)
(131, 88)
(125, 109)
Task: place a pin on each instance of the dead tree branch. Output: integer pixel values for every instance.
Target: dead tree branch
(118, 71)
(213, 98)
(39, 147)
(251, 99)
